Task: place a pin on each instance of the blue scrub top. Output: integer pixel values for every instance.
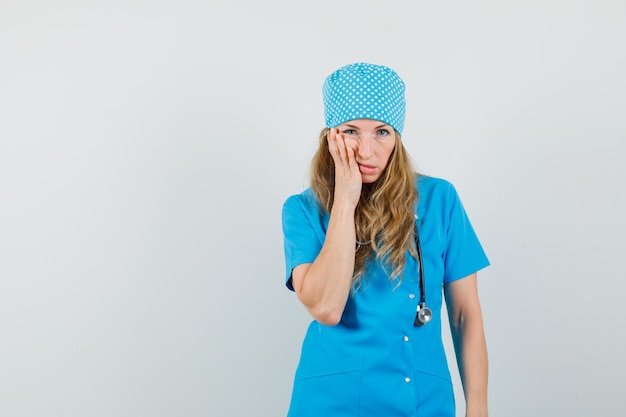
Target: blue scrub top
(375, 362)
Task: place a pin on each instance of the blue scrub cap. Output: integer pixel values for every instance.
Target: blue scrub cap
(364, 91)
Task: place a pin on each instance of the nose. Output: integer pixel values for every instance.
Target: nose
(365, 147)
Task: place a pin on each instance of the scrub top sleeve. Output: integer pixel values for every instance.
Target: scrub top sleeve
(463, 254)
(301, 242)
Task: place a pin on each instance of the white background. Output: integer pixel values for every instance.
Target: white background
(146, 148)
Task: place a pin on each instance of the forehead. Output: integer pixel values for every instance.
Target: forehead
(366, 124)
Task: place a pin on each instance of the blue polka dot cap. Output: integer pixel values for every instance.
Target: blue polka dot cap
(364, 91)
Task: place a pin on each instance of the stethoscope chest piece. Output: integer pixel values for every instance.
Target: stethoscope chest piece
(423, 316)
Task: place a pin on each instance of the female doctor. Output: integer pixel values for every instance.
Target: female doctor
(371, 249)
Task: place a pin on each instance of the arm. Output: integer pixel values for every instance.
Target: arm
(324, 285)
(466, 325)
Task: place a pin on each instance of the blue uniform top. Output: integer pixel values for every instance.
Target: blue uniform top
(375, 362)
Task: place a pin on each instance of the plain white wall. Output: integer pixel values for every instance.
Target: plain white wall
(146, 148)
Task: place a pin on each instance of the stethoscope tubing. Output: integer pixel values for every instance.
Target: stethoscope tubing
(423, 314)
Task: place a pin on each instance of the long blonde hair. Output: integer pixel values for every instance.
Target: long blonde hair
(384, 216)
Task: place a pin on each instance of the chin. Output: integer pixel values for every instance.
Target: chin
(369, 179)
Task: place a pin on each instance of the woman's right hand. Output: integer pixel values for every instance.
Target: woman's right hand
(348, 180)
(324, 285)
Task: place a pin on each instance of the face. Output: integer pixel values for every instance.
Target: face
(373, 142)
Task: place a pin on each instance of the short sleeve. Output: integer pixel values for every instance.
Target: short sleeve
(463, 253)
(302, 240)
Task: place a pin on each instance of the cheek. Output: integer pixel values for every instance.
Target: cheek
(385, 153)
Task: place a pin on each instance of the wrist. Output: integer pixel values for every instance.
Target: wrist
(476, 410)
(343, 208)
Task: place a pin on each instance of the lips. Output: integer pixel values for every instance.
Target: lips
(367, 169)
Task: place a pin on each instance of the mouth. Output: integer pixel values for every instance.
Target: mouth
(367, 169)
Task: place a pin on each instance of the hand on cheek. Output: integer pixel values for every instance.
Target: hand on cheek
(348, 180)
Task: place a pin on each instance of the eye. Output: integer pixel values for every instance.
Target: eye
(383, 133)
(350, 134)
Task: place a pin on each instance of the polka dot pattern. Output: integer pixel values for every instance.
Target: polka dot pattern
(364, 91)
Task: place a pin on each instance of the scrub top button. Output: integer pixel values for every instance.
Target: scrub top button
(411, 296)
(406, 338)
(407, 379)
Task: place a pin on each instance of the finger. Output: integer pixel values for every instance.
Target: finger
(331, 134)
(351, 153)
(331, 138)
(353, 165)
(341, 147)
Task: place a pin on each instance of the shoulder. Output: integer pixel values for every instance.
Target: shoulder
(436, 194)
(304, 202)
(302, 215)
(434, 186)
(304, 199)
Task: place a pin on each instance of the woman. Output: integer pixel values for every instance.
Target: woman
(353, 245)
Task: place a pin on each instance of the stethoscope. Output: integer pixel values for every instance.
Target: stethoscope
(424, 314)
